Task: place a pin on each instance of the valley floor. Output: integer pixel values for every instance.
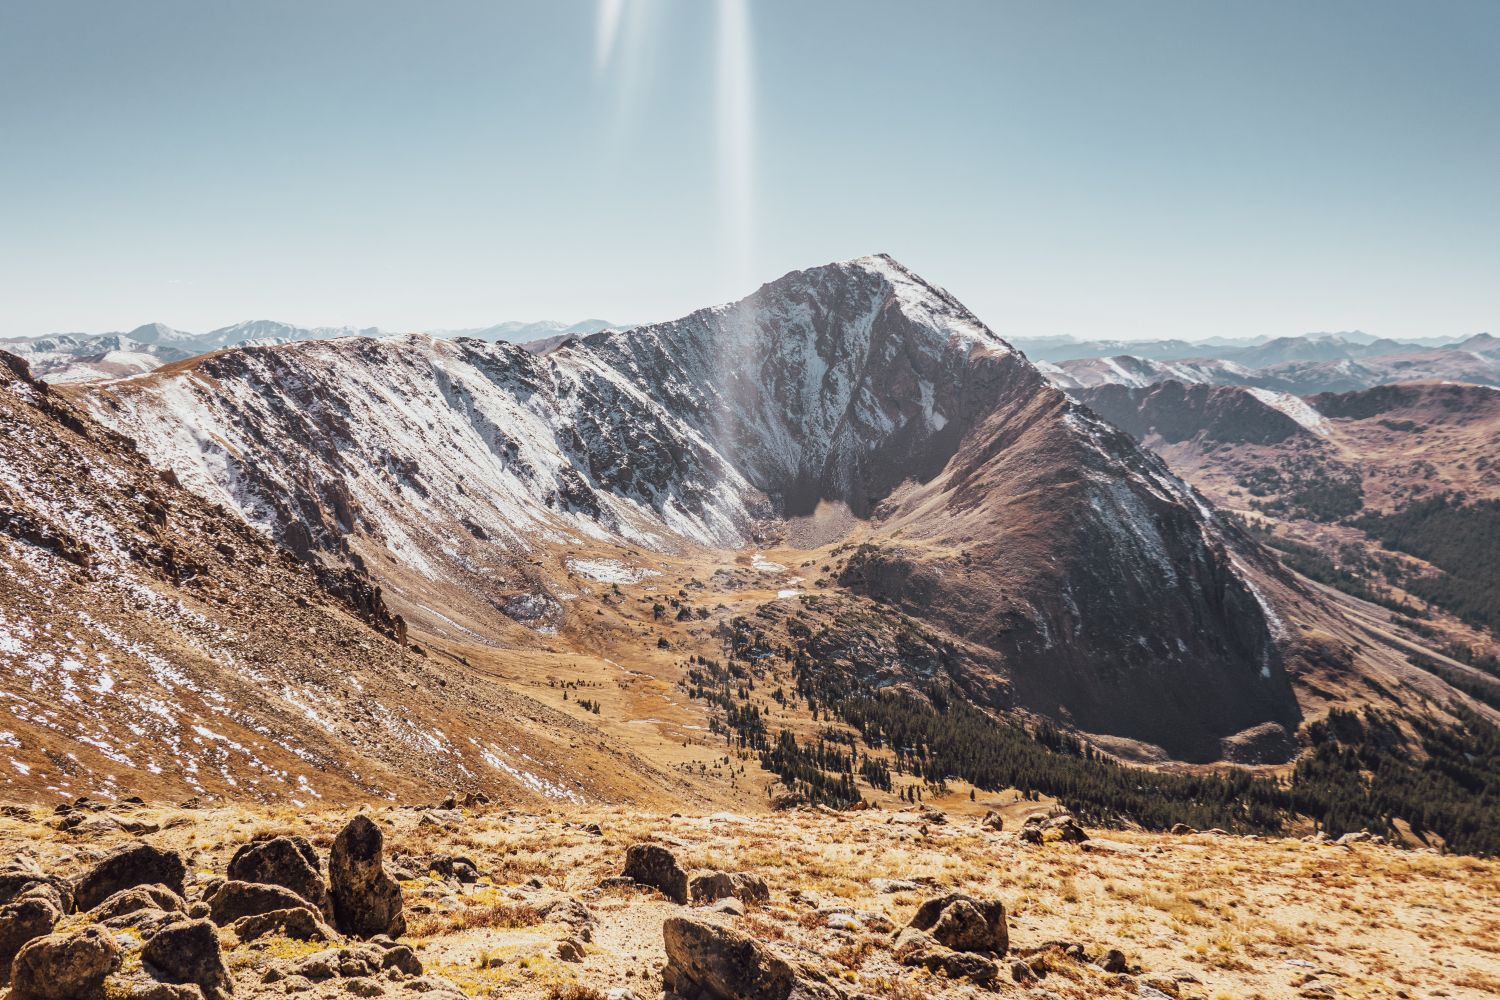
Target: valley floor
(1196, 915)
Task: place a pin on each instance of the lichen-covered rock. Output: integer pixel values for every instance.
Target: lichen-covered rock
(233, 899)
(964, 923)
(298, 923)
(21, 920)
(138, 864)
(120, 909)
(188, 952)
(710, 962)
(366, 900)
(289, 862)
(64, 966)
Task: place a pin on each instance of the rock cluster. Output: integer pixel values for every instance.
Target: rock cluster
(136, 900)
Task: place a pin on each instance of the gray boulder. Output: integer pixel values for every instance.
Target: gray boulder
(710, 962)
(744, 886)
(21, 920)
(233, 899)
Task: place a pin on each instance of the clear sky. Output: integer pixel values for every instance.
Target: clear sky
(1106, 168)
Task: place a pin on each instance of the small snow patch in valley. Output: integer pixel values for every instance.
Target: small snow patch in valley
(609, 570)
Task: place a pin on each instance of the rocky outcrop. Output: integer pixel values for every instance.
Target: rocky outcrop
(139, 864)
(234, 899)
(297, 923)
(366, 900)
(23, 919)
(744, 886)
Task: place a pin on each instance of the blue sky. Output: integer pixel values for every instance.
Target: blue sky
(1101, 168)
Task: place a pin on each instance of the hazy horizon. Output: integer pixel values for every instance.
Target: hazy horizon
(1172, 169)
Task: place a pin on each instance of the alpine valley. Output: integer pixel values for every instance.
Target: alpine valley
(829, 594)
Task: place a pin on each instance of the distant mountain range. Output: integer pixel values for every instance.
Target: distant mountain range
(91, 357)
(1253, 352)
(1302, 365)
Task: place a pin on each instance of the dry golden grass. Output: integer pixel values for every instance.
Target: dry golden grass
(1205, 915)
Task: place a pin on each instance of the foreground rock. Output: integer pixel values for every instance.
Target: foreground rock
(709, 962)
(289, 862)
(654, 865)
(139, 864)
(188, 953)
(22, 920)
(366, 900)
(65, 966)
(958, 935)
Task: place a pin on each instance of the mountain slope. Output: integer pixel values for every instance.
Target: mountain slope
(1084, 580)
(152, 642)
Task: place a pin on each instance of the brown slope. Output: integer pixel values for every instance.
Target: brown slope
(151, 642)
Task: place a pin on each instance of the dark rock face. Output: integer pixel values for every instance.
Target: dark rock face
(366, 901)
(140, 864)
(23, 920)
(188, 952)
(290, 862)
(233, 899)
(744, 886)
(654, 865)
(64, 966)
(709, 962)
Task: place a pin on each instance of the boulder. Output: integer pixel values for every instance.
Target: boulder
(135, 899)
(297, 922)
(992, 821)
(455, 867)
(188, 952)
(1066, 829)
(138, 864)
(916, 948)
(21, 875)
(654, 865)
(964, 923)
(744, 886)
(64, 966)
(289, 862)
(366, 901)
(24, 919)
(711, 962)
(233, 899)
